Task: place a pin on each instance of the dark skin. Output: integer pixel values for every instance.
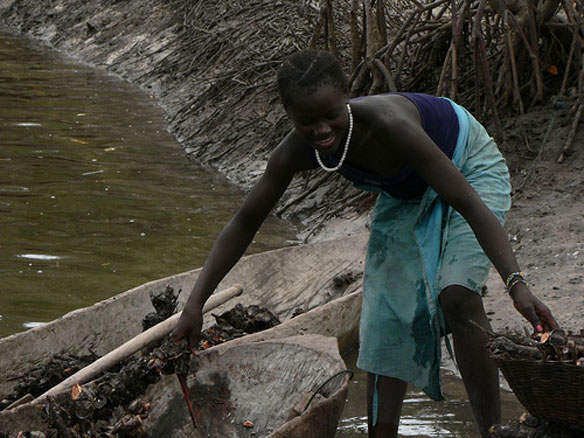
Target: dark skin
(387, 134)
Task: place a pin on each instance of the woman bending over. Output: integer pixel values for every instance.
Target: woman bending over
(437, 227)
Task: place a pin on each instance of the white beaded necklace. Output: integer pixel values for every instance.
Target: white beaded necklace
(345, 150)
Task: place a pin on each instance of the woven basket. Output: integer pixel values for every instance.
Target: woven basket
(550, 390)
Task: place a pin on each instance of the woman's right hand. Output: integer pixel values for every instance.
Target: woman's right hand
(533, 309)
(189, 326)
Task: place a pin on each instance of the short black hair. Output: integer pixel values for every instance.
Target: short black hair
(307, 70)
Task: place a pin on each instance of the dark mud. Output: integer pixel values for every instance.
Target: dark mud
(236, 323)
(43, 378)
(164, 303)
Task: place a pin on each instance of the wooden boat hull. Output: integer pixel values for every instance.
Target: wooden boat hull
(265, 385)
(282, 280)
(265, 381)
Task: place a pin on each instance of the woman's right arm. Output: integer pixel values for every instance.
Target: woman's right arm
(287, 159)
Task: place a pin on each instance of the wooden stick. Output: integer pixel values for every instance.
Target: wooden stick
(331, 27)
(513, 62)
(371, 39)
(533, 31)
(389, 48)
(573, 130)
(482, 60)
(359, 80)
(355, 36)
(476, 29)
(575, 36)
(539, 153)
(386, 75)
(317, 29)
(22, 400)
(484, 330)
(532, 55)
(443, 72)
(381, 24)
(403, 53)
(135, 344)
(477, 74)
(456, 27)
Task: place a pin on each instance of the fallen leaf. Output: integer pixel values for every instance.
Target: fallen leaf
(552, 69)
(76, 391)
(248, 423)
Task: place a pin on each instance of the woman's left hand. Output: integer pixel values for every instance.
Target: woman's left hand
(533, 309)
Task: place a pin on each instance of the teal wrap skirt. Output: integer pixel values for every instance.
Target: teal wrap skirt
(416, 249)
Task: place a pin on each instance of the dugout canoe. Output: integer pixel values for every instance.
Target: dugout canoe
(321, 279)
(294, 387)
(270, 383)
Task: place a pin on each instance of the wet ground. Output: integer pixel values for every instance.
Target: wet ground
(421, 417)
(95, 195)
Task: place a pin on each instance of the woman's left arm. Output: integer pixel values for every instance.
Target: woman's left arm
(445, 178)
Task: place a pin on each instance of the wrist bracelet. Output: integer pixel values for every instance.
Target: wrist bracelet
(511, 276)
(514, 282)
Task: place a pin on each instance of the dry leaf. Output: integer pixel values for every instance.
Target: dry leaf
(552, 69)
(76, 391)
(248, 423)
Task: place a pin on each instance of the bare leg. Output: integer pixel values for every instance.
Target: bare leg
(390, 397)
(479, 371)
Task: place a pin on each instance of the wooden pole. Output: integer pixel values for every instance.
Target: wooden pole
(135, 344)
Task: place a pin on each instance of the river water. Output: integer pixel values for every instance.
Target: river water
(421, 416)
(97, 197)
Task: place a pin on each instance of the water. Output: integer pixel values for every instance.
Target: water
(96, 196)
(421, 416)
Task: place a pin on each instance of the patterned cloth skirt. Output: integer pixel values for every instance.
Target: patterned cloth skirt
(416, 249)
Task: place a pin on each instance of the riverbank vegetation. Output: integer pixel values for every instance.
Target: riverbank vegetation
(499, 59)
(211, 65)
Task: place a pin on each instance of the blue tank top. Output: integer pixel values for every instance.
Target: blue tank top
(439, 121)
